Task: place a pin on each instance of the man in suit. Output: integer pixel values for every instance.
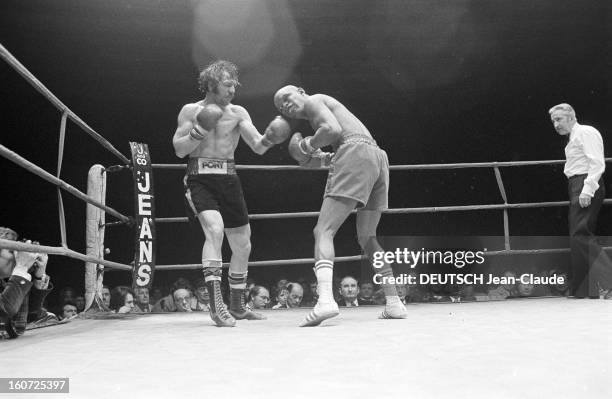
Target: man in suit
(349, 292)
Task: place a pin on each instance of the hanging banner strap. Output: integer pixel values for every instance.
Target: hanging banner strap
(145, 243)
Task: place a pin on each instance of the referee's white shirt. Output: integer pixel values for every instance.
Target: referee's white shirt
(584, 154)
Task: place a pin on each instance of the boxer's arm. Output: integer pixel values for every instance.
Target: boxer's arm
(328, 129)
(250, 134)
(183, 142)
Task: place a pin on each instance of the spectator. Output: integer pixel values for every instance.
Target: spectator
(366, 293)
(561, 289)
(416, 292)
(141, 304)
(280, 284)
(466, 293)
(259, 297)
(402, 291)
(311, 296)
(296, 293)
(509, 284)
(22, 296)
(201, 298)
(281, 299)
(525, 289)
(166, 304)
(155, 295)
(506, 289)
(379, 297)
(349, 290)
(182, 300)
(122, 299)
(79, 301)
(106, 295)
(69, 310)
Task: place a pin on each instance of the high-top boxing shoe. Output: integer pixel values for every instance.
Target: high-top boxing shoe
(218, 311)
(238, 308)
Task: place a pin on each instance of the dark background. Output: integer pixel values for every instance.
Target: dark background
(434, 81)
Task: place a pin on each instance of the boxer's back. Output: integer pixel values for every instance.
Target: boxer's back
(350, 124)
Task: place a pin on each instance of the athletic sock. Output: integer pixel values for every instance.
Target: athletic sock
(237, 280)
(212, 269)
(324, 270)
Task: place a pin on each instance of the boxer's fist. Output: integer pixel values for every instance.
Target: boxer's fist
(208, 116)
(295, 151)
(277, 131)
(206, 120)
(316, 159)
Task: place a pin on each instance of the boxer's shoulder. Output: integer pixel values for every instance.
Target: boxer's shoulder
(237, 109)
(314, 104)
(237, 113)
(190, 110)
(324, 99)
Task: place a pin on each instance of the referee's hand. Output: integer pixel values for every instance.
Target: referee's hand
(584, 200)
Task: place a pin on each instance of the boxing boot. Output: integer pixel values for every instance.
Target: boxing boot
(218, 311)
(238, 308)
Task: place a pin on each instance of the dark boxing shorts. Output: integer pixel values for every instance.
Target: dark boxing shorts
(212, 184)
(360, 170)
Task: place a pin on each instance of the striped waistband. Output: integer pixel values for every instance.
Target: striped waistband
(211, 166)
(355, 138)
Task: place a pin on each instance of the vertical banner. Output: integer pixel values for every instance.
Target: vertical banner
(145, 245)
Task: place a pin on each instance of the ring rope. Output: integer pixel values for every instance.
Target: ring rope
(434, 166)
(302, 261)
(256, 263)
(24, 247)
(28, 76)
(395, 211)
(30, 167)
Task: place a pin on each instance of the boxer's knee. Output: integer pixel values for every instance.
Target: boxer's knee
(240, 242)
(243, 248)
(214, 232)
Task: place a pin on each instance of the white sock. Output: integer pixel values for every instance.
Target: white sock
(324, 270)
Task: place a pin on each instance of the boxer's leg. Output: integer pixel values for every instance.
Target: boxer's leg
(239, 239)
(212, 225)
(367, 222)
(334, 212)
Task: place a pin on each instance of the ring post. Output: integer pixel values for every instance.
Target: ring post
(94, 236)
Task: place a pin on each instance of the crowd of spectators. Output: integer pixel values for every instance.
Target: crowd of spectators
(185, 296)
(24, 286)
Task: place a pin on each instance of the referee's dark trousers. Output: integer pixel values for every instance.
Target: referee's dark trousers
(591, 267)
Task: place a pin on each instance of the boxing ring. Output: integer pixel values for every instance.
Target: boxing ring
(521, 348)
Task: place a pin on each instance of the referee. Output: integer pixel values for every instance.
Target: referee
(591, 269)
